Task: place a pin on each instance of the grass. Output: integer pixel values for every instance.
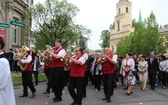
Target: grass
(18, 79)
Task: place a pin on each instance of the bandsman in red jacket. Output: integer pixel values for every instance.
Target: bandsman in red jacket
(108, 67)
(57, 70)
(77, 72)
(26, 72)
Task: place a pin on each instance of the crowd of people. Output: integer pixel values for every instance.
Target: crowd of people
(104, 70)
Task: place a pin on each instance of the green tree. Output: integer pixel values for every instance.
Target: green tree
(165, 26)
(55, 20)
(145, 38)
(105, 38)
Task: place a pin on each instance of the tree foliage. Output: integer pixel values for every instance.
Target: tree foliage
(55, 20)
(145, 38)
(105, 38)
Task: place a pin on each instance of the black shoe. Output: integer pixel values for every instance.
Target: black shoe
(46, 92)
(84, 96)
(57, 100)
(78, 104)
(54, 98)
(33, 95)
(73, 103)
(108, 100)
(152, 88)
(23, 95)
(104, 99)
(128, 94)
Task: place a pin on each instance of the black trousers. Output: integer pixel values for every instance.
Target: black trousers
(47, 73)
(76, 83)
(27, 82)
(66, 77)
(163, 78)
(10, 63)
(108, 84)
(36, 77)
(85, 82)
(97, 81)
(56, 81)
(152, 80)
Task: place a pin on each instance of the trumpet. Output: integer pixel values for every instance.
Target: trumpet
(103, 59)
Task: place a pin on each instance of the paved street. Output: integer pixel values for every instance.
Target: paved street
(149, 97)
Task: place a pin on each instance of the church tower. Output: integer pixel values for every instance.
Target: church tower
(123, 23)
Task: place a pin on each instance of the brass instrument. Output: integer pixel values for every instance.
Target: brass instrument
(66, 64)
(66, 60)
(103, 59)
(48, 48)
(22, 56)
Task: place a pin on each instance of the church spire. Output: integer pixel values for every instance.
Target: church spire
(140, 16)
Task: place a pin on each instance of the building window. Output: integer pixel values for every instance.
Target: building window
(118, 24)
(126, 9)
(15, 36)
(119, 11)
(15, 32)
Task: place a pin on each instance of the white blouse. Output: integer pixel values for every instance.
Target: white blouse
(143, 66)
(163, 66)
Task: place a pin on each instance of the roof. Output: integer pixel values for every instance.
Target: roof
(123, 0)
(163, 30)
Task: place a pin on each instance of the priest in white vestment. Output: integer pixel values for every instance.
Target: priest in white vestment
(7, 96)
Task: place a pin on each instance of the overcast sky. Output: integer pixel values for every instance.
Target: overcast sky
(97, 15)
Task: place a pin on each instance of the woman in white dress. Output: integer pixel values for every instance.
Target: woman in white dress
(143, 72)
(128, 66)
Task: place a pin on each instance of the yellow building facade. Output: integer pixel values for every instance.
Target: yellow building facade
(123, 23)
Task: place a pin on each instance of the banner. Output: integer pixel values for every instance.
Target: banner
(3, 34)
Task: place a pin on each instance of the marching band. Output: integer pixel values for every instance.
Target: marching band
(59, 65)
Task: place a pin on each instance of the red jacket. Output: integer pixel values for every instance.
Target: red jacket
(57, 62)
(108, 67)
(77, 70)
(46, 67)
(29, 65)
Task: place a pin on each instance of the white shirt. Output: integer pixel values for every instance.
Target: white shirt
(62, 53)
(34, 68)
(163, 66)
(7, 96)
(81, 59)
(85, 56)
(28, 60)
(115, 57)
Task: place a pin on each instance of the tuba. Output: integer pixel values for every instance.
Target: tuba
(22, 56)
(47, 61)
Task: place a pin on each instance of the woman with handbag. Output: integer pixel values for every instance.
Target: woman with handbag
(128, 66)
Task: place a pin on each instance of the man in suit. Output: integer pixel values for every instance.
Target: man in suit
(153, 69)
